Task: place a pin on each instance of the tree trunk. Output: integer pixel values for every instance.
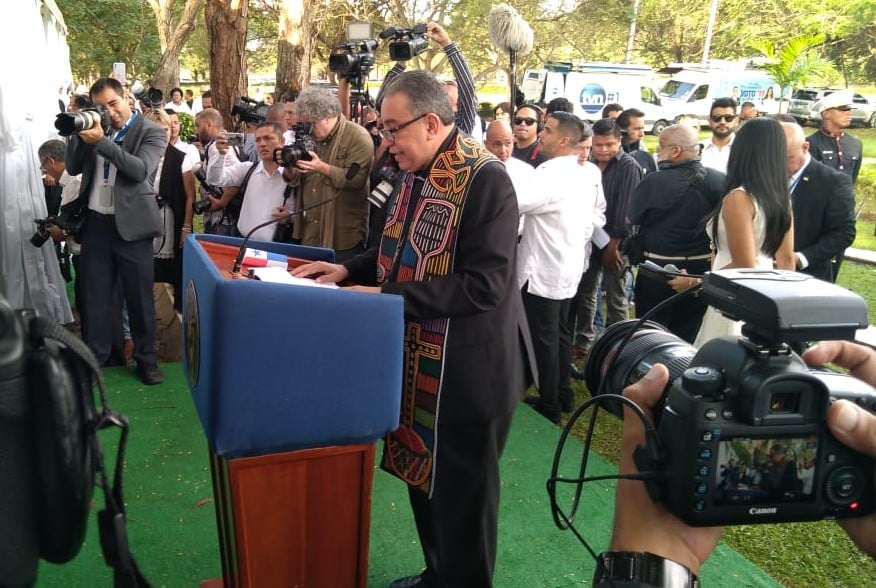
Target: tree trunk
(226, 32)
(172, 41)
(293, 48)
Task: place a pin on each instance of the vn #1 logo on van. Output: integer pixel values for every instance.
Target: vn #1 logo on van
(592, 98)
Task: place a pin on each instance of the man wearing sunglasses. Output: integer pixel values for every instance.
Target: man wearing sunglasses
(526, 125)
(723, 122)
(831, 145)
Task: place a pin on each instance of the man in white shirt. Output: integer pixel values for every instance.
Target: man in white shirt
(723, 122)
(558, 224)
(499, 140)
(217, 220)
(265, 196)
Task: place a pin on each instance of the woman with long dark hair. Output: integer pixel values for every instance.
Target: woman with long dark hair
(752, 225)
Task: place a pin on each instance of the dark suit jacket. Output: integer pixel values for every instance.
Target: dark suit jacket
(136, 159)
(824, 217)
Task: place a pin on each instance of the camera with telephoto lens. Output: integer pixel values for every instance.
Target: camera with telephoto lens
(203, 205)
(406, 43)
(289, 155)
(249, 110)
(69, 123)
(149, 98)
(387, 176)
(741, 433)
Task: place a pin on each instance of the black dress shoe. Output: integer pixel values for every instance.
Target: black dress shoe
(150, 375)
(410, 582)
(535, 403)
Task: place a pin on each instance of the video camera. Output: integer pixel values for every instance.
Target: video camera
(353, 59)
(150, 98)
(289, 155)
(407, 43)
(70, 123)
(249, 110)
(749, 399)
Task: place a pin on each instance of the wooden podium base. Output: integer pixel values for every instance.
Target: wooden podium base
(299, 518)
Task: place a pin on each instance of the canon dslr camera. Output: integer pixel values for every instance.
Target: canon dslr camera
(289, 155)
(741, 433)
(69, 123)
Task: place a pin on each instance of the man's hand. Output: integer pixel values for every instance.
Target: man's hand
(611, 256)
(93, 135)
(681, 283)
(283, 215)
(314, 165)
(850, 424)
(323, 271)
(437, 33)
(57, 233)
(640, 524)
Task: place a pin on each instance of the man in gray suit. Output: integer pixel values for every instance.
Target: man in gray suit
(117, 200)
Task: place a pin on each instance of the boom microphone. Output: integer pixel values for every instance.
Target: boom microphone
(241, 253)
(508, 30)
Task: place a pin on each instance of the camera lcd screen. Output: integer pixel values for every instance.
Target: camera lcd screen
(759, 471)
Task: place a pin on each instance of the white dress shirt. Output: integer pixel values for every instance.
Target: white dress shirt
(264, 193)
(565, 203)
(521, 174)
(716, 158)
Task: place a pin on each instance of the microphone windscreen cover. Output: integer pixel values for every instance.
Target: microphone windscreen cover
(508, 30)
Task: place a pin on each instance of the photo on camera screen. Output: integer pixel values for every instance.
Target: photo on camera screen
(758, 471)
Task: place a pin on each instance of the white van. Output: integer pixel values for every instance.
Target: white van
(692, 88)
(589, 86)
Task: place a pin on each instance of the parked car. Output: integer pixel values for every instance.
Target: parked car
(805, 107)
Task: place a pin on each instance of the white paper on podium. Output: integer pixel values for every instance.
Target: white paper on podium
(279, 275)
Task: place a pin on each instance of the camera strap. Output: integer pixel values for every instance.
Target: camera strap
(233, 208)
(111, 520)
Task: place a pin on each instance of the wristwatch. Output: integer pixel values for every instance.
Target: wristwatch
(642, 569)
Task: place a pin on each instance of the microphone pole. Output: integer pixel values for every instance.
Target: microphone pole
(238, 262)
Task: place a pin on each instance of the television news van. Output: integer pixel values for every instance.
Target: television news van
(692, 88)
(589, 86)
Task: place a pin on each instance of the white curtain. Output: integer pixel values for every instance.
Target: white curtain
(36, 66)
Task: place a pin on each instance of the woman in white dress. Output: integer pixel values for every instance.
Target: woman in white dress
(752, 226)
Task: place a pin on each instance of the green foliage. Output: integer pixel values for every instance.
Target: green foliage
(102, 32)
(794, 63)
(186, 125)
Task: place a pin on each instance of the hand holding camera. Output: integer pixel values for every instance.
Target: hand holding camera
(437, 33)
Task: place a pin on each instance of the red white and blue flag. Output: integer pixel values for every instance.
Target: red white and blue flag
(259, 258)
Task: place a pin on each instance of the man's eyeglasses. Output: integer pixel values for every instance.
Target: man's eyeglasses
(389, 134)
(524, 121)
(725, 117)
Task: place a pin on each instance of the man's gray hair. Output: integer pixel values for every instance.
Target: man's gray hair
(53, 148)
(316, 104)
(425, 94)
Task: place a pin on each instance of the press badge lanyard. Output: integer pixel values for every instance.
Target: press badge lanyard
(118, 140)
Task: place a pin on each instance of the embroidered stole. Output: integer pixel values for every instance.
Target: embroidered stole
(419, 242)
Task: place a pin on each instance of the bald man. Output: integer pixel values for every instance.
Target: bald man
(499, 140)
(824, 208)
(668, 207)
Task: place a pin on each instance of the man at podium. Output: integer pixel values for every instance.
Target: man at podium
(449, 248)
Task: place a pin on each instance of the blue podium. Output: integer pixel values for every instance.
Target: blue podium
(293, 385)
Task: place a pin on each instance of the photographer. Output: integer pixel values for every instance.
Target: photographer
(641, 525)
(121, 218)
(462, 96)
(342, 224)
(263, 181)
(217, 217)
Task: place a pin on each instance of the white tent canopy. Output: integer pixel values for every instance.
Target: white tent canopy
(36, 67)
